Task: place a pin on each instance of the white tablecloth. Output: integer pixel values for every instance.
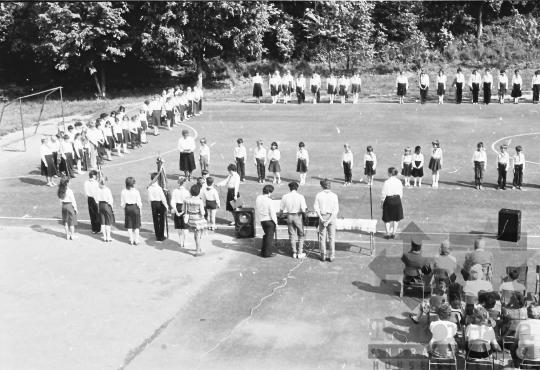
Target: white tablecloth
(369, 226)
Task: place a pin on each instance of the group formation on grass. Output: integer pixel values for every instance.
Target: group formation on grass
(285, 86)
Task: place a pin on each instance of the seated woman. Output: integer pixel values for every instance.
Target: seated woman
(515, 310)
(527, 342)
(479, 330)
(475, 283)
(438, 297)
(489, 300)
(445, 261)
(443, 332)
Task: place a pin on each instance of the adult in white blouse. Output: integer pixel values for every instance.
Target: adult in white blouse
(274, 82)
(343, 87)
(356, 87)
(266, 214)
(69, 208)
(423, 85)
(273, 157)
(391, 203)
(301, 88)
(186, 146)
(315, 87)
(487, 83)
(479, 161)
(257, 87)
(302, 162)
(94, 137)
(459, 81)
(474, 85)
(233, 185)
(105, 202)
(517, 82)
(503, 85)
(48, 169)
(331, 86)
(535, 84)
(402, 84)
(130, 200)
(327, 207)
(179, 195)
(441, 86)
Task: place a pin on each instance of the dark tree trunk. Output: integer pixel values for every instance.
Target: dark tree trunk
(199, 67)
(97, 84)
(479, 21)
(103, 85)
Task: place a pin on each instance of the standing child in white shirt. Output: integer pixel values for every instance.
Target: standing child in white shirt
(204, 155)
(143, 118)
(347, 164)
(519, 168)
(417, 166)
(435, 163)
(479, 161)
(259, 158)
(503, 84)
(302, 162)
(78, 150)
(503, 162)
(210, 198)
(240, 158)
(406, 166)
(370, 164)
(273, 157)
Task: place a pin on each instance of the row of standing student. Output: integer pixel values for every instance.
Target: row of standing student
(287, 85)
(476, 83)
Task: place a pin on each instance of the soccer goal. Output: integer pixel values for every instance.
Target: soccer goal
(30, 112)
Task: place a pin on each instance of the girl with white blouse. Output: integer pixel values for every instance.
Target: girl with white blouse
(356, 87)
(48, 169)
(402, 84)
(273, 158)
(417, 166)
(273, 83)
(331, 85)
(130, 200)
(406, 166)
(435, 163)
(370, 165)
(516, 86)
(257, 87)
(503, 85)
(105, 202)
(69, 208)
(302, 162)
(441, 86)
(210, 198)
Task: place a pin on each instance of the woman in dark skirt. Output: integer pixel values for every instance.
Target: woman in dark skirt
(130, 200)
(302, 162)
(257, 87)
(418, 166)
(48, 168)
(178, 197)
(105, 201)
(517, 82)
(69, 208)
(233, 184)
(435, 163)
(402, 83)
(391, 203)
(441, 86)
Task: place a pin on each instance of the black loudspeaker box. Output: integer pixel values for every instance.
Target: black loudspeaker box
(509, 225)
(244, 223)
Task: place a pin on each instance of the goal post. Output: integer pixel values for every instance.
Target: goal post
(20, 100)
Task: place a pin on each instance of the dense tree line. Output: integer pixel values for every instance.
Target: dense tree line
(82, 43)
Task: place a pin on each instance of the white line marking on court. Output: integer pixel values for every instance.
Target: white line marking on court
(511, 136)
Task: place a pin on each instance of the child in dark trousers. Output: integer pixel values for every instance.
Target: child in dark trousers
(240, 156)
(519, 168)
(347, 164)
(503, 162)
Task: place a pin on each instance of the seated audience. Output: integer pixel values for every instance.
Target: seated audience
(478, 257)
(476, 284)
(415, 264)
(438, 297)
(515, 310)
(513, 284)
(480, 330)
(527, 342)
(443, 331)
(445, 261)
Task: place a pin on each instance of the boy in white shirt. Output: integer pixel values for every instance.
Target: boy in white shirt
(204, 155)
(259, 158)
(519, 168)
(503, 162)
(240, 157)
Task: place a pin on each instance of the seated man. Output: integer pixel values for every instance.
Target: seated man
(527, 342)
(513, 284)
(478, 257)
(415, 264)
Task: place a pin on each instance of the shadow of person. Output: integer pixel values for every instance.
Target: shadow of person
(41, 229)
(33, 181)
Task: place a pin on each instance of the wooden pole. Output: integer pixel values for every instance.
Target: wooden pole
(62, 105)
(22, 124)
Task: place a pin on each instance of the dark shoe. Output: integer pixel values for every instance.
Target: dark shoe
(323, 257)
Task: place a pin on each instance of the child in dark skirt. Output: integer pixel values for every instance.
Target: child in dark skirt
(347, 164)
(302, 162)
(406, 166)
(273, 157)
(435, 163)
(417, 166)
(519, 168)
(370, 165)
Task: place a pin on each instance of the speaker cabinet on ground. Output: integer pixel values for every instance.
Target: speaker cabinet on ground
(244, 223)
(509, 225)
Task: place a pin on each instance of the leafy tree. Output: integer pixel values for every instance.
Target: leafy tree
(84, 35)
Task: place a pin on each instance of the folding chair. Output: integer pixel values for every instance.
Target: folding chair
(523, 273)
(483, 347)
(510, 335)
(442, 353)
(530, 362)
(424, 282)
(440, 274)
(470, 301)
(456, 318)
(488, 271)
